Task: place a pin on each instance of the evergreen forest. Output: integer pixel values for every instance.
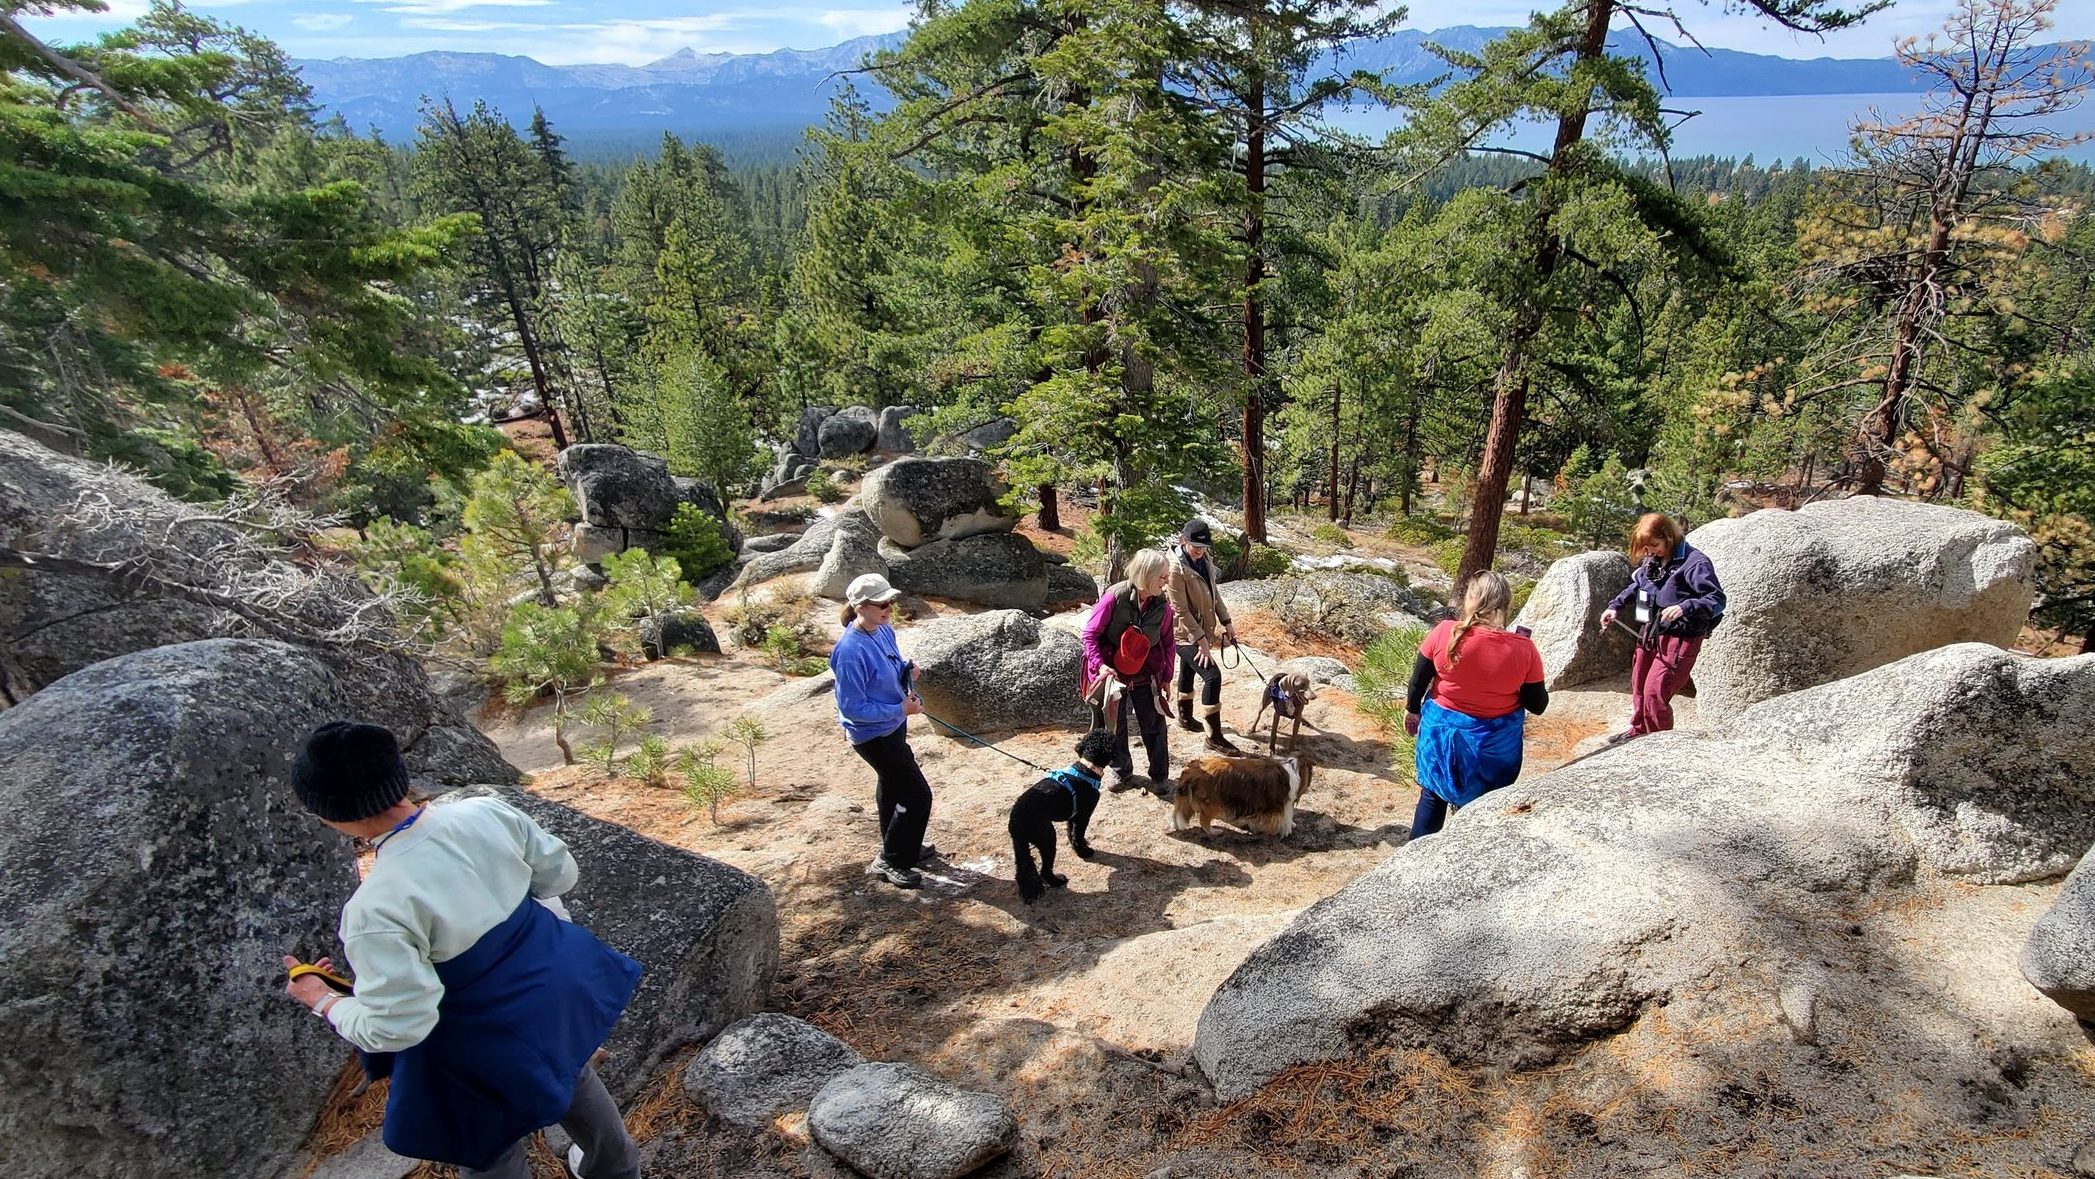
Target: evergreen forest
(1129, 228)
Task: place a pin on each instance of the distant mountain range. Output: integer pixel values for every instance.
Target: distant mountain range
(708, 95)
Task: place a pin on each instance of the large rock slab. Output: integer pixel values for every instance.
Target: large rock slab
(915, 501)
(765, 1066)
(854, 550)
(894, 434)
(999, 569)
(628, 499)
(998, 670)
(844, 434)
(706, 933)
(1068, 584)
(2059, 958)
(1839, 587)
(1349, 607)
(52, 624)
(1558, 909)
(1981, 756)
(1563, 614)
(807, 436)
(157, 866)
(804, 555)
(891, 1121)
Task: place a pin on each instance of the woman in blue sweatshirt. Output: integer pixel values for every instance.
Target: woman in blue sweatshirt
(875, 699)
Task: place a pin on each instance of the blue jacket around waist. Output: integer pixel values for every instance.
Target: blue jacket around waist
(872, 681)
(1461, 758)
(523, 1011)
(1686, 579)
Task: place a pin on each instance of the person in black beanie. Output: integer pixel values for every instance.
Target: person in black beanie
(473, 992)
(1201, 628)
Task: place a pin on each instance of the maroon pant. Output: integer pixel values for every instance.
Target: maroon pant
(1656, 676)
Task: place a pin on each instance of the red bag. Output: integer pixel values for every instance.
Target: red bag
(1133, 653)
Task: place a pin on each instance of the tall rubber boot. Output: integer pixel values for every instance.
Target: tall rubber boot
(1216, 741)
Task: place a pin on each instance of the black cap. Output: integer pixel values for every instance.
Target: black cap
(1196, 532)
(348, 771)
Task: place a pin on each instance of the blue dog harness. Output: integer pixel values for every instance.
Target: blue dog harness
(1073, 777)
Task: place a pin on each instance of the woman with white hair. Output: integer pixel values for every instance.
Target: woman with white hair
(1127, 660)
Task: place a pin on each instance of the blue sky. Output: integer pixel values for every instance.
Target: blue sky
(562, 32)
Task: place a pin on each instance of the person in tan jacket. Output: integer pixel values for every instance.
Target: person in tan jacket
(1201, 629)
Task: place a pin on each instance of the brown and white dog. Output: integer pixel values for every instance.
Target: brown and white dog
(1256, 793)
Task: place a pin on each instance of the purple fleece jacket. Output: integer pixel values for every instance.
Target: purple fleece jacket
(1688, 580)
(1158, 669)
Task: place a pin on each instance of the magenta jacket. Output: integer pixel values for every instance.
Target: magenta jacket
(1097, 642)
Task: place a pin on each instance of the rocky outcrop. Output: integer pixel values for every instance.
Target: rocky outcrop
(55, 621)
(807, 437)
(628, 499)
(854, 550)
(1839, 587)
(893, 435)
(765, 1066)
(1351, 608)
(1563, 612)
(1067, 584)
(157, 866)
(979, 438)
(1558, 909)
(891, 1121)
(666, 634)
(997, 569)
(998, 670)
(850, 432)
(803, 555)
(2059, 958)
(918, 500)
(706, 934)
(1318, 668)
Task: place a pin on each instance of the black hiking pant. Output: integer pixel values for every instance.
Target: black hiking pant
(902, 797)
(1150, 721)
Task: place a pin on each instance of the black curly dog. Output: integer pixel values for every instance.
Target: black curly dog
(1070, 794)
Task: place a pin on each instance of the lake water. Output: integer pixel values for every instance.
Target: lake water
(1813, 126)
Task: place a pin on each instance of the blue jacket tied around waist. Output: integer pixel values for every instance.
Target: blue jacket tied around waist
(522, 1012)
(1461, 758)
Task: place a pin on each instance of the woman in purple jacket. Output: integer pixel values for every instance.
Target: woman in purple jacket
(1674, 601)
(1128, 639)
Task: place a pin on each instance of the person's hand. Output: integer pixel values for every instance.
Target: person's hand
(911, 706)
(1411, 720)
(308, 989)
(1671, 614)
(915, 672)
(1200, 653)
(1229, 635)
(1106, 671)
(1607, 619)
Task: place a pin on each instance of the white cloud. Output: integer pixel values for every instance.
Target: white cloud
(440, 7)
(321, 22)
(865, 22)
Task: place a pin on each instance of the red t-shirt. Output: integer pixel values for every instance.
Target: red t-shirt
(1486, 683)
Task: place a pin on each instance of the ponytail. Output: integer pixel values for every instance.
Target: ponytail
(1488, 595)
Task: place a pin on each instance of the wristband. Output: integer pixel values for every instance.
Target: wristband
(326, 1002)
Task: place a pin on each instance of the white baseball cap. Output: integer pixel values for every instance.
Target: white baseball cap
(869, 587)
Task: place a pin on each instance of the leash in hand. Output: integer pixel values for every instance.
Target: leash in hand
(989, 745)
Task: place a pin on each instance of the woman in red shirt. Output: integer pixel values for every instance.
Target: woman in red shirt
(1484, 680)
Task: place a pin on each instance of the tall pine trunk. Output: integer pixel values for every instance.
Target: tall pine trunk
(1254, 307)
(1544, 250)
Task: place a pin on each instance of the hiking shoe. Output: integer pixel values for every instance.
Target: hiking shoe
(1186, 722)
(574, 1162)
(899, 877)
(928, 852)
(1221, 745)
(1120, 783)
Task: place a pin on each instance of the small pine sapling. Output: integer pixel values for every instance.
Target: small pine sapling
(706, 781)
(650, 762)
(749, 732)
(614, 715)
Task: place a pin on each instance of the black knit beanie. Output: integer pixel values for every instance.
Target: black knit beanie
(348, 771)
